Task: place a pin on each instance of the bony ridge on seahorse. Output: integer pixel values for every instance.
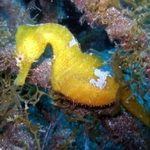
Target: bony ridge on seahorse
(74, 73)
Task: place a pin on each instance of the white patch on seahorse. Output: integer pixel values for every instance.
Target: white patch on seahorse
(102, 77)
(73, 42)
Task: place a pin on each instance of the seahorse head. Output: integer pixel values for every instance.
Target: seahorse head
(28, 50)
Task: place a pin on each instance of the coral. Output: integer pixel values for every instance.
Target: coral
(118, 25)
(40, 74)
(14, 13)
(7, 62)
(126, 131)
(69, 73)
(16, 136)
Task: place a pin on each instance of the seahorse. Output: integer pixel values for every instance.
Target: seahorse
(76, 75)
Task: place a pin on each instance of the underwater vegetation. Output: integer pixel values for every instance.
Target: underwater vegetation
(118, 19)
(38, 114)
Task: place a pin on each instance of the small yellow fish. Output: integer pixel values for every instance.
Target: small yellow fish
(74, 73)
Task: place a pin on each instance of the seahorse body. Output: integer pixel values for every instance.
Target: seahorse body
(74, 73)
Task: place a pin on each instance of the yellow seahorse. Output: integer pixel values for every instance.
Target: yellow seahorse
(74, 73)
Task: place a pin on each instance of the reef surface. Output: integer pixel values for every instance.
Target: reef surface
(34, 116)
